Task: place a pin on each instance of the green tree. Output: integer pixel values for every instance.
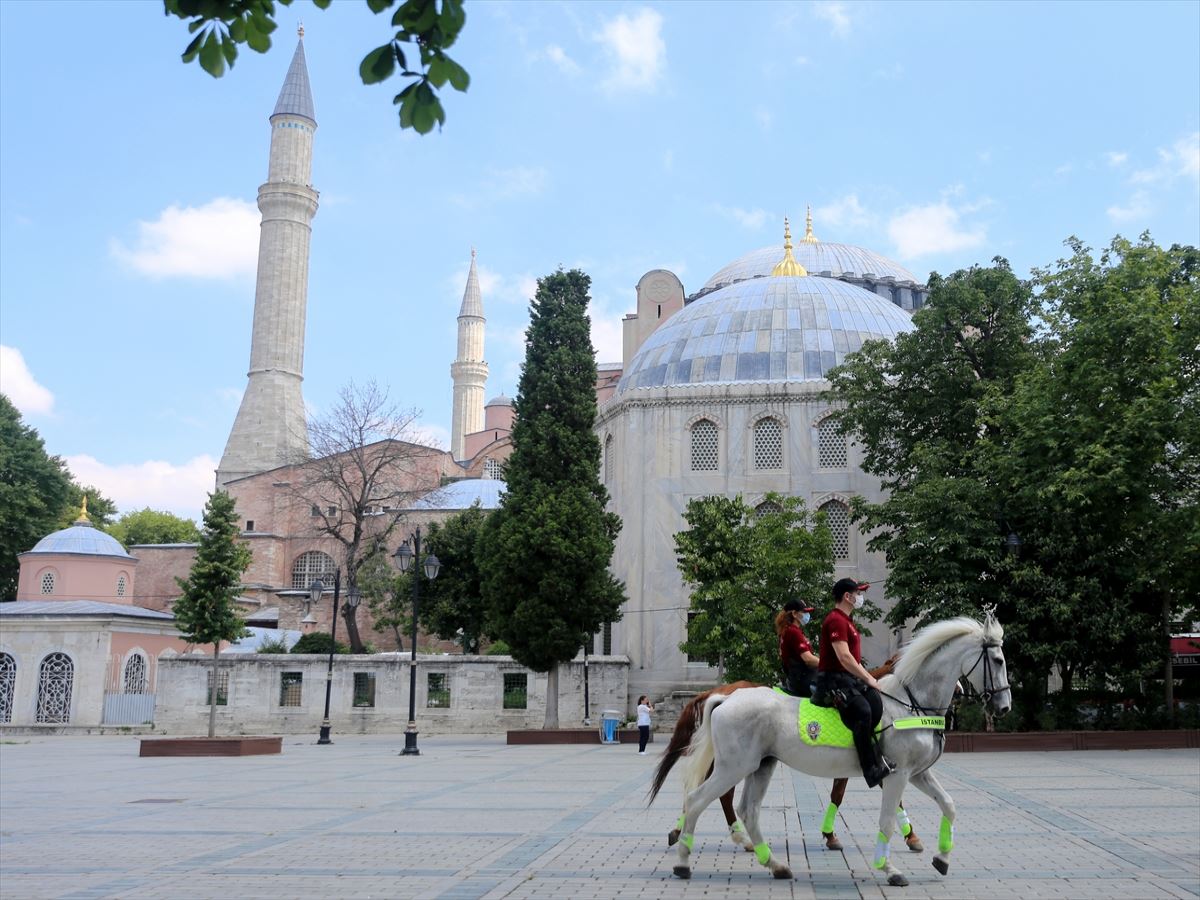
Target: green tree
(742, 565)
(1103, 458)
(452, 604)
(35, 488)
(205, 612)
(318, 642)
(546, 550)
(387, 593)
(152, 526)
(425, 30)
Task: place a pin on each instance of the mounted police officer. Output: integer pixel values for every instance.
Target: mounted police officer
(795, 652)
(844, 683)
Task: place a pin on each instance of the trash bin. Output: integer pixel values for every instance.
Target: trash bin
(609, 720)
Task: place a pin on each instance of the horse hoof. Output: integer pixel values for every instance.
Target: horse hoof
(683, 872)
(747, 849)
(897, 880)
(672, 837)
(783, 872)
(915, 845)
(941, 865)
(832, 843)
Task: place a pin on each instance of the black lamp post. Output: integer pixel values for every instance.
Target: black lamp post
(352, 598)
(404, 557)
(1012, 544)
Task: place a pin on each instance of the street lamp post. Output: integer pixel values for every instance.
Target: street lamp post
(404, 557)
(352, 598)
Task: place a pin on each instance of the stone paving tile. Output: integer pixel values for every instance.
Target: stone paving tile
(473, 818)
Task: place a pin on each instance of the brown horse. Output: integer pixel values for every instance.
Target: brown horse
(689, 721)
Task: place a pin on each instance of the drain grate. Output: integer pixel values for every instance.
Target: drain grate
(160, 800)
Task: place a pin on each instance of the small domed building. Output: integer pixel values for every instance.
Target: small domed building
(74, 648)
(724, 397)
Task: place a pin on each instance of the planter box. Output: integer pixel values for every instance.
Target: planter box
(983, 742)
(571, 736)
(217, 746)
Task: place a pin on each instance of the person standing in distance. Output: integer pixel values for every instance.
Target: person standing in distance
(645, 707)
(843, 682)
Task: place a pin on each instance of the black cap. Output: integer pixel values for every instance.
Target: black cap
(848, 584)
(797, 605)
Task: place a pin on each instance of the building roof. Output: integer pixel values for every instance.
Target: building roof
(499, 400)
(80, 608)
(784, 328)
(472, 302)
(295, 99)
(818, 258)
(81, 538)
(462, 494)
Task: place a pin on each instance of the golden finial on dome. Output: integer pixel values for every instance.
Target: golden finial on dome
(788, 265)
(809, 237)
(300, 29)
(83, 516)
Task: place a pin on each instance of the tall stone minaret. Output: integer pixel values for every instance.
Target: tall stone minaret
(468, 370)
(271, 428)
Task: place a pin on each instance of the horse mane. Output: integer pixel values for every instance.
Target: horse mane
(933, 637)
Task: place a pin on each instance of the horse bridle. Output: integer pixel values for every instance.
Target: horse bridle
(989, 679)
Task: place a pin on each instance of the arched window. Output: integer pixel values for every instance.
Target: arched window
(491, 468)
(120, 585)
(135, 674)
(310, 566)
(831, 445)
(766, 507)
(608, 459)
(47, 582)
(768, 444)
(837, 517)
(705, 455)
(55, 678)
(8, 683)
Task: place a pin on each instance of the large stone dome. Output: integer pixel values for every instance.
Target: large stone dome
(775, 328)
(819, 258)
(81, 538)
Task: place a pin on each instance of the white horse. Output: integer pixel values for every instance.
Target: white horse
(743, 734)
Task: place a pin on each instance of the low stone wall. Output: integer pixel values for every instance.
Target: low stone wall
(256, 695)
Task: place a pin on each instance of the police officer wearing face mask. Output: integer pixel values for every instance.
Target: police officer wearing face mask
(795, 652)
(843, 682)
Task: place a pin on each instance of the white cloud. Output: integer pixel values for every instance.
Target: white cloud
(504, 184)
(764, 117)
(217, 240)
(1065, 169)
(431, 435)
(180, 489)
(934, 228)
(1116, 158)
(1180, 160)
(668, 160)
(558, 56)
(493, 286)
(845, 213)
(607, 334)
(18, 383)
(751, 219)
(636, 48)
(836, 15)
(802, 61)
(890, 73)
(1135, 210)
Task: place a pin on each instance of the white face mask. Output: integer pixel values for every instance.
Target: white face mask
(805, 618)
(859, 600)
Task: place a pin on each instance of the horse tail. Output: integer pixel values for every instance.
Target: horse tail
(689, 720)
(700, 752)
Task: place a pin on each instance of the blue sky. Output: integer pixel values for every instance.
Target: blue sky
(616, 137)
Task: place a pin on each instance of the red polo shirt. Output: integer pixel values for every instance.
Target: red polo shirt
(792, 643)
(838, 627)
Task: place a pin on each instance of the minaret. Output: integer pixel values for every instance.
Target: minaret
(271, 428)
(468, 370)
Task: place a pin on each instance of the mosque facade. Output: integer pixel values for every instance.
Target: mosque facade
(717, 392)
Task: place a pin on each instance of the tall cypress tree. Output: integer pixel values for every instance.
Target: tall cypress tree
(205, 613)
(545, 552)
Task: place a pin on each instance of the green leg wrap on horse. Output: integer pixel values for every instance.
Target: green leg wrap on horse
(688, 840)
(830, 819)
(762, 853)
(737, 827)
(881, 851)
(946, 836)
(902, 821)
(679, 822)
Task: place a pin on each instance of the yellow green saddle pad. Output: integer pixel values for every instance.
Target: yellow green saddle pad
(821, 726)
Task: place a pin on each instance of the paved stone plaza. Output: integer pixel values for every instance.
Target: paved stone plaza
(85, 817)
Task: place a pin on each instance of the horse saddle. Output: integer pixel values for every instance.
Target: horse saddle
(821, 726)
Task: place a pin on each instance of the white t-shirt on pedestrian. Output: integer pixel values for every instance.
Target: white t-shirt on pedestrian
(643, 714)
